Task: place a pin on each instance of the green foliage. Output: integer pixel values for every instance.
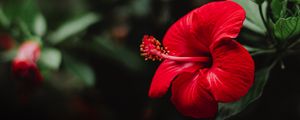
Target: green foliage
(227, 110)
(140, 7)
(25, 21)
(286, 28)
(24, 10)
(4, 22)
(22, 13)
(253, 19)
(51, 58)
(287, 25)
(81, 70)
(73, 27)
(251, 49)
(250, 25)
(105, 46)
(278, 8)
(40, 25)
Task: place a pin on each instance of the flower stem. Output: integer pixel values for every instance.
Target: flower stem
(265, 22)
(274, 63)
(263, 52)
(294, 44)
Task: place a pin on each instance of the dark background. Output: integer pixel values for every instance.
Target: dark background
(120, 91)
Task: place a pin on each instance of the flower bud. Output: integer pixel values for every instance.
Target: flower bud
(24, 64)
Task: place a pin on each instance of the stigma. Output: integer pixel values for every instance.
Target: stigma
(151, 49)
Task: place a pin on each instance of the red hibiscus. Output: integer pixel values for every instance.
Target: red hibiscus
(24, 64)
(201, 60)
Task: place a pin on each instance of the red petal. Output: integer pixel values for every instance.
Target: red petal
(190, 98)
(192, 34)
(27, 70)
(165, 74)
(29, 50)
(232, 72)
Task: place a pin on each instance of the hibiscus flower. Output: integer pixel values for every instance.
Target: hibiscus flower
(24, 64)
(201, 60)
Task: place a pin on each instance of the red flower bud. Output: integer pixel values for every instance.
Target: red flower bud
(24, 64)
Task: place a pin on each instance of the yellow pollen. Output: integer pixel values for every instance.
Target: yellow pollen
(151, 48)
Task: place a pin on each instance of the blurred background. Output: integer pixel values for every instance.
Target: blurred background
(92, 67)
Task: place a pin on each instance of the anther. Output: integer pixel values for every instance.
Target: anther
(151, 48)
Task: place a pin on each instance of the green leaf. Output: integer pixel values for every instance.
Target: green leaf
(73, 27)
(40, 25)
(251, 26)
(252, 15)
(227, 110)
(4, 22)
(251, 49)
(24, 10)
(22, 14)
(140, 7)
(278, 8)
(51, 58)
(286, 28)
(83, 71)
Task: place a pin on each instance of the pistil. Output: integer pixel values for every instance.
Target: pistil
(151, 49)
